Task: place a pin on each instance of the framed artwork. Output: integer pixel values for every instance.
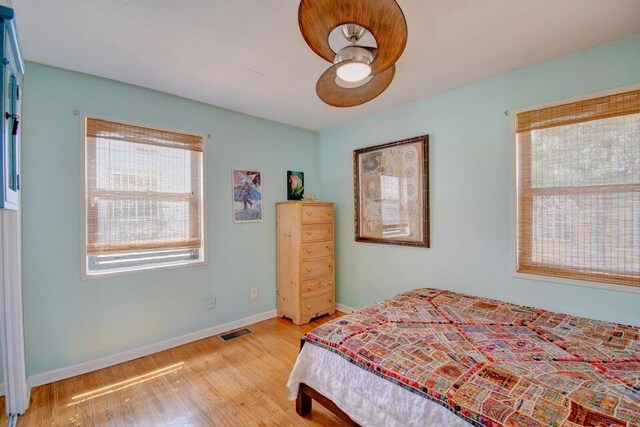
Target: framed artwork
(295, 185)
(392, 193)
(247, 196)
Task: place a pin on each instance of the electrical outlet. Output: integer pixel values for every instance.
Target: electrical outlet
(254, 293)
(211, 303)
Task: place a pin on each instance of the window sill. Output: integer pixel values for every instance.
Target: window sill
(85, 275)
(575, 282)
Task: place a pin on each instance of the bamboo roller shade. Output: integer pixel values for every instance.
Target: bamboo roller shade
(125, 132)
(579, 190)
(143, 188)
(576, 112)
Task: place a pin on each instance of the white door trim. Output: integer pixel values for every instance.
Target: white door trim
(16, 386)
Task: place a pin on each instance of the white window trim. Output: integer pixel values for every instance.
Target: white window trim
(84, 273)
(513, 114)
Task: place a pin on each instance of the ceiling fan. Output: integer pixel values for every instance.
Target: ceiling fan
(359, 72)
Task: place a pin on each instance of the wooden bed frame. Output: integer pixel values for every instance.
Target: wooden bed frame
(306, 396)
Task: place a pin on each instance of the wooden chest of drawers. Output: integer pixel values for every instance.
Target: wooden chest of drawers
(306, 263)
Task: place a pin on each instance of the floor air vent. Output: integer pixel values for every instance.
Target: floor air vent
(235, 334)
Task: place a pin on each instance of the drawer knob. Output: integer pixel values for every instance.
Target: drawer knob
(308, 213)
(308, 270)
(330, 283)
(308, 305)
(309, 251)
(329, 247)
(308, 231)
(308, 288)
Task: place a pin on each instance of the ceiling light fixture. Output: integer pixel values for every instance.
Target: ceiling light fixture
(355, 63)
(359, 73)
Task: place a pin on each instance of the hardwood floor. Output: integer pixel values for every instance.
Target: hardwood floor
(205, 383)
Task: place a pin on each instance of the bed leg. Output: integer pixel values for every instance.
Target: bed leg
(303, 402)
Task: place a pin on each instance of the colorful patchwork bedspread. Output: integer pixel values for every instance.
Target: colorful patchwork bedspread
(494, 363)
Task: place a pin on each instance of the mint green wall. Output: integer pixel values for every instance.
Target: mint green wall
(470, 188)
(69, 321)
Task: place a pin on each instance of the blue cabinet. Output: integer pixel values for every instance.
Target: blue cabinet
(12, 71)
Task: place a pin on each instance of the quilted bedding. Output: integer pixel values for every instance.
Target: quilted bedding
(494, 363)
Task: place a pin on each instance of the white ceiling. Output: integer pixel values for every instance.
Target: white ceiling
(249, 56)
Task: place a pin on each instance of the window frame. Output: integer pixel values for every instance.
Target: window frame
(85, 274)
(514, 182)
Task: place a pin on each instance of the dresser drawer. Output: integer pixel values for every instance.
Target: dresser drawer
(317, 250)
(317, 214)
(318, 304)
(317, 286)
(315, 232)
(315, 268)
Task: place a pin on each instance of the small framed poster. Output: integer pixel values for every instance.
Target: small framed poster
(295, 185)
(247, 196)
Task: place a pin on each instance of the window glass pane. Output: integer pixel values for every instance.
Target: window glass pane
(137, 260)
(598, 152)
(587, 232)
(139, 221)
(128, 166)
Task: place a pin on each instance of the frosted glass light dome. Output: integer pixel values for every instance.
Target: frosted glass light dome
(354, 71)
(356, 63)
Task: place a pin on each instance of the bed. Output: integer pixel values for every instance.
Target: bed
(430, 357)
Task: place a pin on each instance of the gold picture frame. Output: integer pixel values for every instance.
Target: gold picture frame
(391, 193)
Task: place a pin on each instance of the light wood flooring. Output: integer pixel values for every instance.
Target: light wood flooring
(205, 383)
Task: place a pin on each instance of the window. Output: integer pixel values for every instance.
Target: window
(578, 190)
(143, 198)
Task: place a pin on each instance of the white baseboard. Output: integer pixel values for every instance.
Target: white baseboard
(344, 308)
(125, 356)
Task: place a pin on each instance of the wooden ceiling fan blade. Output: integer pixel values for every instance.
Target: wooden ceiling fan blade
(372, 49)
(382, 18)
(336, 96)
